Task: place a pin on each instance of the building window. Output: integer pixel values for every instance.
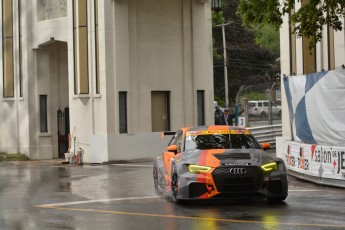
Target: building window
(80, 30)
(98, 90)
(330, 45)
(201, 107)
(7, 47)
(293, 64)
(75, 53)
(309, 55)
(83, 44)
(20, 50)
(123, 112)
(43, 114)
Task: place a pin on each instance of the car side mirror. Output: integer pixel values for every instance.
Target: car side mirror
(172, 148)
(266, 146)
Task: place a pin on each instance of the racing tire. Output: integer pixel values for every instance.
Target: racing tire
(155, 179)
(174, 186)
(276, 200)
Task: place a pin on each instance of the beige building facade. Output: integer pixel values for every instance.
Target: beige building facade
(125, 69)
(297, 59)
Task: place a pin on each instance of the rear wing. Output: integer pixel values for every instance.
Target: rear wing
(167, 133)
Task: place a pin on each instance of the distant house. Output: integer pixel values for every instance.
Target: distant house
(111, 73)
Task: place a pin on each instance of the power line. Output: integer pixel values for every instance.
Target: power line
(245, 67)
(247, 64)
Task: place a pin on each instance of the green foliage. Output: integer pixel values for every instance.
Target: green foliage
(216, 55)
(220, 101)
(308, 21)
(254, 96)
(260, 12)
(268, 37)
(13, 157)
(217, 18)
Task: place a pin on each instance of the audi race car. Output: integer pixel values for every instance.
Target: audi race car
(218, 162)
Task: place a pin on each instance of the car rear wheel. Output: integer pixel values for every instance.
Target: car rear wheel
(276, 199)
(262, 114)
(174, 185)
(155, 179)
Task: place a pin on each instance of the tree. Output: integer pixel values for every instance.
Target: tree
(248, 63)
(267, 36)
(308, 20)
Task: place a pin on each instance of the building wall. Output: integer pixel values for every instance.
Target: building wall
(151, 56)
(139, 47)
(326, 56)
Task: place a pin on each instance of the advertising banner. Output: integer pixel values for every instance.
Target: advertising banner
(315, 160)
(317, 107)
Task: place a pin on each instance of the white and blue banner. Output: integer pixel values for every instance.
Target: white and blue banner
(317, 107)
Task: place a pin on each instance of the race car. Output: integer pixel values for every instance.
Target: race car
(218, 162)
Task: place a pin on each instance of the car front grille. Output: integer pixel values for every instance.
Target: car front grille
(244, 182)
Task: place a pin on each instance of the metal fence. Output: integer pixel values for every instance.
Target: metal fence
(267, 133)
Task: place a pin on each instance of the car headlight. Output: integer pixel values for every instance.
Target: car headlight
(269, 167)
(198, 169)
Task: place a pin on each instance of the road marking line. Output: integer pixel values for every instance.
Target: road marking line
(129, 165)
(133, 198)
(96, 201)
(192, 218)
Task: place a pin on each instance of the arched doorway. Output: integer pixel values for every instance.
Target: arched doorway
(52, 74)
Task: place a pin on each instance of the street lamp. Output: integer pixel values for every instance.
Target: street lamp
(216, 5)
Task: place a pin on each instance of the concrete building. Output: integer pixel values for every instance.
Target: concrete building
(125, 69)
(297, 59)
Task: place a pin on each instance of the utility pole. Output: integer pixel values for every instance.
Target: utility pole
(270, 99)
(225, 65)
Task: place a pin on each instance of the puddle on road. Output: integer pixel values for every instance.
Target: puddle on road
(64, 187)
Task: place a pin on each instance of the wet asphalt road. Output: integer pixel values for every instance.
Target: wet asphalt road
(51, 195)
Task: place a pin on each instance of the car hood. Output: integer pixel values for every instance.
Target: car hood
(224, 157)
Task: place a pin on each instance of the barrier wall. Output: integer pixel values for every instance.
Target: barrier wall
(126, 147)
(317, 163)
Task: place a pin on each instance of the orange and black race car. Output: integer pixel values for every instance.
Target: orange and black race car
(218, 162)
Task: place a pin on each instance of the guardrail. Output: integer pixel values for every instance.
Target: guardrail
(267, 133)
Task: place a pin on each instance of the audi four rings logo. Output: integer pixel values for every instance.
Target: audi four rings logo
(238, 171)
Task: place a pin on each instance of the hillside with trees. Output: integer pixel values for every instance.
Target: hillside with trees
(249, 63)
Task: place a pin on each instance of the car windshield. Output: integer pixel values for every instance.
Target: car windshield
(251, 104)
(222, 140)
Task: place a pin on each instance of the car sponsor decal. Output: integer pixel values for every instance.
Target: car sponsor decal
(207, 158)
(211, 132)
(202, 158)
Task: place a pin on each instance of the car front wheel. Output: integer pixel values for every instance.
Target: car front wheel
(155, 179)
(174, 185)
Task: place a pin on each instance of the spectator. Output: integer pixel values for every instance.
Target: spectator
(226, 119)
(218, 116)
